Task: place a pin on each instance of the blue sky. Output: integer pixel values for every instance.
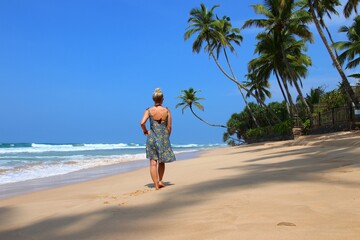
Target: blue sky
(84, 70)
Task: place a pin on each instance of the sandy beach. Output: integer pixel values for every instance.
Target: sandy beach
(308, 188)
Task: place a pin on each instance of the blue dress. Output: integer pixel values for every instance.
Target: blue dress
(158, 146)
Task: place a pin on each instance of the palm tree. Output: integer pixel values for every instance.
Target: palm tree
(314, 96)
(189, 99)
(351, 95)
(283, 19)
(299, 63)
(350, 6)
(230, 34)
(322, 8)
(260, 87)
(351, 47)
(270, 61)
(203, 23)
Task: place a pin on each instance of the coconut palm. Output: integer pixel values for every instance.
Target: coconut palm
(325, 8)
(314, 96)
(189, 99)
(203, 23)
(270, 61)
(296, 64)
(260, 87)
(313, 10)
(231, 35)
(351, 47)
(299, 63)
(350, 6)
(283, 19)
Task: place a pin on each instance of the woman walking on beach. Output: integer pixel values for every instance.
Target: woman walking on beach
(158, 147)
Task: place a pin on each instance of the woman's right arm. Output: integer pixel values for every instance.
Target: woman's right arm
(143, 122)
(169, 124)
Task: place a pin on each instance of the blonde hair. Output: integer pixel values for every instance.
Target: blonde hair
(157, 95)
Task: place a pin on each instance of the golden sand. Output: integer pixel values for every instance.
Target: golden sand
(307, 188)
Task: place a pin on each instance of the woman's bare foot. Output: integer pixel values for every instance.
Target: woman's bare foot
(161, 184)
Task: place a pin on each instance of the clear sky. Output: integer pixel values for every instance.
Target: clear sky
(84, 70)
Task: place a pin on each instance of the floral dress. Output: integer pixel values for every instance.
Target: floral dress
(158, 146)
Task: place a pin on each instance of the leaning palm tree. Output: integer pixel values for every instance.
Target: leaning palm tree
(350, 93)
(351, 47)
(189, 99)
(202, 22)
(350, 6)
(324, 8)
(231, 35)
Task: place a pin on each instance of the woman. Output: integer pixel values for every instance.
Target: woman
(158, 147)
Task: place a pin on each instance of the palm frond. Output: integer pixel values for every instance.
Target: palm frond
(199, 106)
(350, 7)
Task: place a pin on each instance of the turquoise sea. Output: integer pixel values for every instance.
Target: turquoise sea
(28, 161)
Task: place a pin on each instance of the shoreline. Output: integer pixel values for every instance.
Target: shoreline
(9, 190)
(306, 188)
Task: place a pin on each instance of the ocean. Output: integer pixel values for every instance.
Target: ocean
(28, 161)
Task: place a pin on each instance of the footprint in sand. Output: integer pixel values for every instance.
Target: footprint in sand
(137, 192)
(121, 201)
(287, 224)
(107, 199)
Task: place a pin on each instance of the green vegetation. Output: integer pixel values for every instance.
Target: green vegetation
(280, 53)
(240, 125)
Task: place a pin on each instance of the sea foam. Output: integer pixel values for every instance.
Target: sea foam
(26, 161)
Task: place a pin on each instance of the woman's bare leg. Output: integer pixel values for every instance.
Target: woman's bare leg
(161, 170)
(154, 173)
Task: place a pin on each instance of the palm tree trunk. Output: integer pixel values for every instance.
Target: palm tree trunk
(283, 93)
(244, 98)
(351, 95)
(294, 80)
(291, 102)
(332, 41)
(210, 124)
(242, 86)
(303, 99)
